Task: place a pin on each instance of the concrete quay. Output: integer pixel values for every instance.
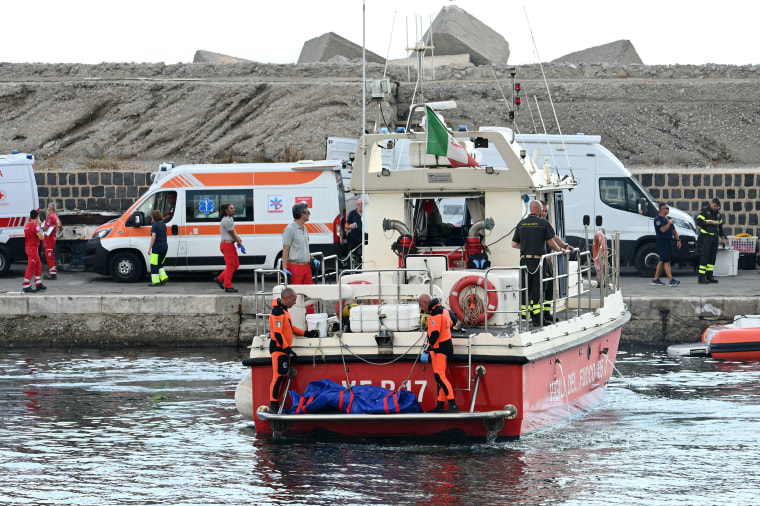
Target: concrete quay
(89, 310)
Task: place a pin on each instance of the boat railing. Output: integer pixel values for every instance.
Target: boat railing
(328, 268)
(571, 288)
(566, 286)
(520, 291)
(263, 295)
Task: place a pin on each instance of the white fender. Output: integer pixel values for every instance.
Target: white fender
(244, 396)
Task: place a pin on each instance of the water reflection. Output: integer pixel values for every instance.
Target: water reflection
(160, 426)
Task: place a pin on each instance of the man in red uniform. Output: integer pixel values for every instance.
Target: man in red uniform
(280, 346)
(50, 228)
(441, 348)
(32, 237)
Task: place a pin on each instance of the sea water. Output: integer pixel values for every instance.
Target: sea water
(159, 426)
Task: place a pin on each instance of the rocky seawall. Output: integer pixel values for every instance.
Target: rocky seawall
(131, 116)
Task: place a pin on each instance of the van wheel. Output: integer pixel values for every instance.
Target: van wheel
(126, 267)
(646, 258)
(5, 261)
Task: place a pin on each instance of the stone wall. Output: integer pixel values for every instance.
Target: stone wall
(91, 190)
(120, 320)
(689, 190)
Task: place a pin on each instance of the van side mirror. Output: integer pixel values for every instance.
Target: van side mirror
(643, 206)
(135, 220)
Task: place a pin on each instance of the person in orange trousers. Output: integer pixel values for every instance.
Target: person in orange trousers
(281, 330)
(441, 348)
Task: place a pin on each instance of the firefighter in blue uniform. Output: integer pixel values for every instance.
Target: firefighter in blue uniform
(710, 225)
(532, 235)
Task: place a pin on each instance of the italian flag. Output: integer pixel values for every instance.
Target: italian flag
(441, 143)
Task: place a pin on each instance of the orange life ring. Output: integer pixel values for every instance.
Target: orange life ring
(474, 280)
(600, 254)
(339, 304)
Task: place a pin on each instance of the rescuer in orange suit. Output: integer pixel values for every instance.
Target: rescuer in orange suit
(441, 348)
(280, 346)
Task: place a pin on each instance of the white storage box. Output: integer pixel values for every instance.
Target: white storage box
(393, 317)
(727, 262)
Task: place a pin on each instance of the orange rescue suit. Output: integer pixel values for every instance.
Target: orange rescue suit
(282, 330)
(441, 347)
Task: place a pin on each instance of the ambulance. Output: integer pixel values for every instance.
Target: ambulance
(190, 198)
(18, 196)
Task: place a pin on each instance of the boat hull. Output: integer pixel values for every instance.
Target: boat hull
(542, 390)
(740, 344)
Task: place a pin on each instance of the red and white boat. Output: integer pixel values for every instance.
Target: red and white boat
(737, 341)
(510, 376)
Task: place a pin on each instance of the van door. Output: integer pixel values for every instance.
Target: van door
(166, 201)
(200, 245)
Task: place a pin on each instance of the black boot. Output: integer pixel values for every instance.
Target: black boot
(710, 277)
(703, 280)
(453, 407)
(439, 408)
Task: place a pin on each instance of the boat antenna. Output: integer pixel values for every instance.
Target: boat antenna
(548, 144)
(363, 137)
(408, 55)
(390, 41)
(549, 93)
(430, 43)
(516, 87)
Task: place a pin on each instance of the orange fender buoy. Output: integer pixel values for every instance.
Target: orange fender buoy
(478, 281)
(600, 254)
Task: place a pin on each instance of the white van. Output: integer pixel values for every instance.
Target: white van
(18, 196)
(608, 197)
(341, 148)
(263, 195)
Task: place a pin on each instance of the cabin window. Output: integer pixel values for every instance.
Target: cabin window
(442, 221)
(204, 205)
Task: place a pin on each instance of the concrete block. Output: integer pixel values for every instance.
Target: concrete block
(202, 56)
(78, 304)
(620, 51)
(329, 45)
(128, 304)
(741, 306)
(456, 61)
(12, 305)
(454, 32)
(248, 305)
(41, 304)
(228, 305)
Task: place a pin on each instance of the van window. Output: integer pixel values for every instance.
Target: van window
(620, 193)
(203, 205)
(160, 201)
